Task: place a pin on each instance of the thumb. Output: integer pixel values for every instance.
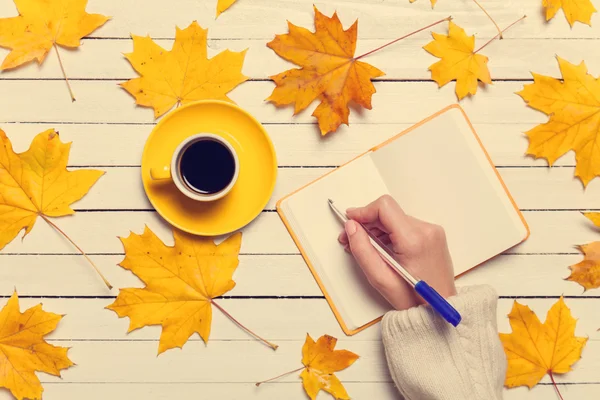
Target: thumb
(365, 254)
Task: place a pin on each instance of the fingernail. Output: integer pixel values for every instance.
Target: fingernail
(350, 228)
(349, 210)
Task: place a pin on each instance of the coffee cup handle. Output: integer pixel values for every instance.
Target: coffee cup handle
(161, 174)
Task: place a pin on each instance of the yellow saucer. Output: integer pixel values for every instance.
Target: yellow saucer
(256, 181)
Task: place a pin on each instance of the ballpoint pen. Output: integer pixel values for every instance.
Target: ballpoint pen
(429, 294)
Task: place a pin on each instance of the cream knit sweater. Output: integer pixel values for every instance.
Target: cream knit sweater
(429, 359)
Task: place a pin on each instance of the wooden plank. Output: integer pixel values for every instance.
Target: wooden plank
(532, 188)
(96, 232)
(69, 275)
(386, 20)
(528, 275)
(296, 145)
(276, 390)
(221, 391)
(221, 362)
(512, 58)
(279, 320)
(217, 362)
(394, 102)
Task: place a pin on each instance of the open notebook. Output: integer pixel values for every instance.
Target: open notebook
(437, 171)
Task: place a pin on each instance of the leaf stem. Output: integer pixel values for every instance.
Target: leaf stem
(490, 17)
(554, 384)
(62, 68)
(52, 224)
(279, 376)
(503, 30)
(403, 37)
(271, 345)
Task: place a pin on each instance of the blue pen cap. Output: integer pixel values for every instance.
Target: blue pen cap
(438, 303)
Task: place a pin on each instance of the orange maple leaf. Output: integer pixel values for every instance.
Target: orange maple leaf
(329, 71)
(23, 350)
(534, 349)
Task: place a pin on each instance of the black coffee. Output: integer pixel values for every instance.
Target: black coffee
(207, 166)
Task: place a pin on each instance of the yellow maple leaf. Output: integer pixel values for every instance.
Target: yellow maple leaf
(458, 61)
(181, 283)
(184, 74)
(321, 361)
(594, 217)
(43, 24)
(534, 349)
(433, 2)
(23, 350)
(37, 183)
(575, 10)
(223, 5)
(587, 272)
(573, 105)
(329, 71)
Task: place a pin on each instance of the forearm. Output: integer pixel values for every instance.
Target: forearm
(430, 359)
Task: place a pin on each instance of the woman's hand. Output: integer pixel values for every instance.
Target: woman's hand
(418, 246)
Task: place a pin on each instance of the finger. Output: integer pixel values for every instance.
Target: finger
(374, 225)
(385, 239)
(391, 286)
(384, 210)
(343, 238)
(382, 236)
(377, 232)
(388, 213)
(367, 257)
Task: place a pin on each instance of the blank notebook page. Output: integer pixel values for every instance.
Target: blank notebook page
(438, 172)
(317, 228)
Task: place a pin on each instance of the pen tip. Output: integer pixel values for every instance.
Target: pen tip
(330, 201)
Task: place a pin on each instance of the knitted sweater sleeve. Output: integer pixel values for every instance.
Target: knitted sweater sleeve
(429, 359)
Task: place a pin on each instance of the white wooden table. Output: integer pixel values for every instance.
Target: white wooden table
(275, 293)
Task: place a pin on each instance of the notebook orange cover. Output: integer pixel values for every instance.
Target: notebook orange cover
(439, 171)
